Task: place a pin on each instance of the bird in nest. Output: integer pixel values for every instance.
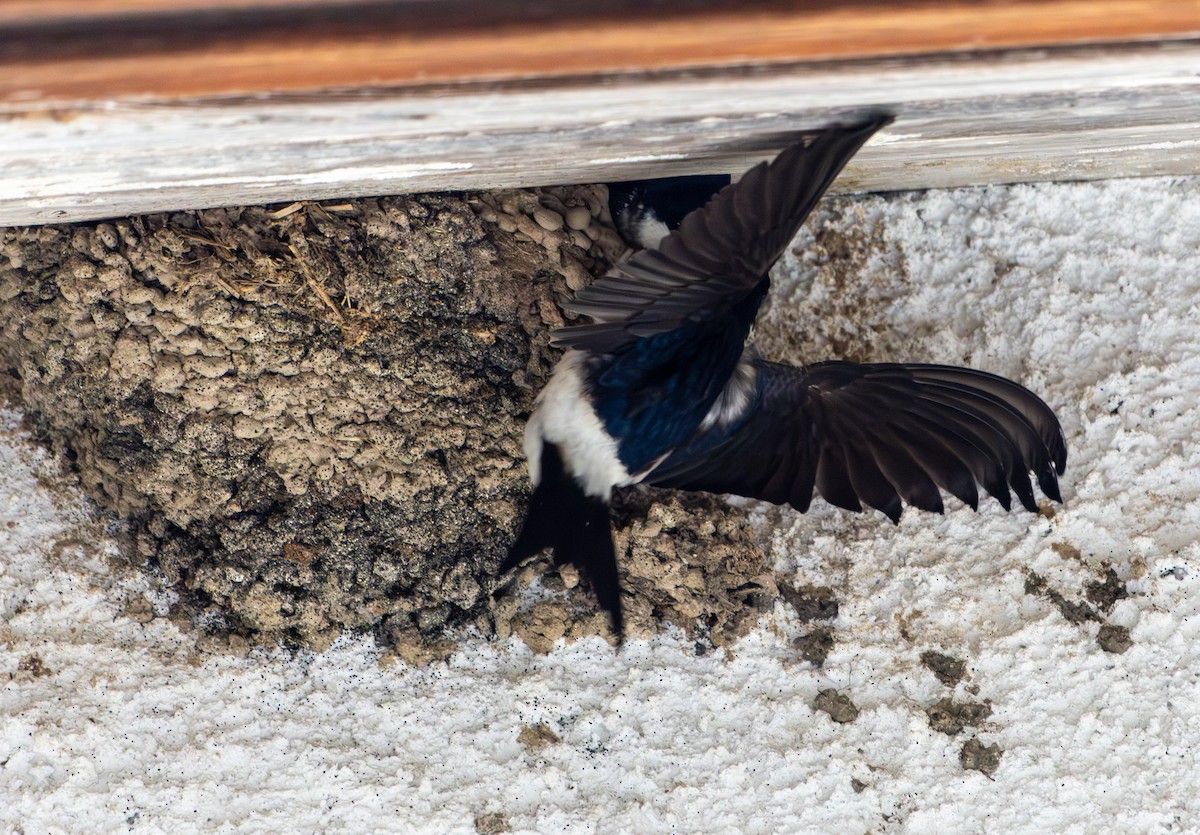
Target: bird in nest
(661, 387)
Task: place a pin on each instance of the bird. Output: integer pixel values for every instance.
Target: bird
(646, 211)
(663, 388)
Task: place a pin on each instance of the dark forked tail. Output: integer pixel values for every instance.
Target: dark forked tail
(576, 526)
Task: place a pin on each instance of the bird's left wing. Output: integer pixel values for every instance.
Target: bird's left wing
(880, 434)
(720, 252)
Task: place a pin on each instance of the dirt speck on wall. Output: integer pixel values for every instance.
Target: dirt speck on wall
(312, 417)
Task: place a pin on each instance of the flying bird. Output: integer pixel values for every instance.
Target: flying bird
(661, 388)
(646, 211)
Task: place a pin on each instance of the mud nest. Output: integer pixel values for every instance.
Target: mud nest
(311, 418)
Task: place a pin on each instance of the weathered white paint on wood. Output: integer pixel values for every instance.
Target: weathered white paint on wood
(1003, 117)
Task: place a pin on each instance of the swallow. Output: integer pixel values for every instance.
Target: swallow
(661, 388)
(646, 211)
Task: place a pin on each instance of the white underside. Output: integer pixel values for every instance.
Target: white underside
(565, 417)
(735, 398)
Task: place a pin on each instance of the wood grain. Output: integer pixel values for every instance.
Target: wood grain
(40, 11)
(1005, 116)
(57, 51)
(111, 107)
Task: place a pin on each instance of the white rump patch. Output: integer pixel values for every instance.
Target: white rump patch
(565, 418)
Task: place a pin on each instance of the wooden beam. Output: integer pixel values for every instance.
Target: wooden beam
(111, 107)
(30, 11)
(70, 50)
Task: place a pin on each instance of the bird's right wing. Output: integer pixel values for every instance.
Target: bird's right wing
(879, 434)
(719, 253)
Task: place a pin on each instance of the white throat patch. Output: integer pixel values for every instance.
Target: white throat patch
(651, 231)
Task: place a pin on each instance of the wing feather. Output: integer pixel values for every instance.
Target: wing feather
(880, 434)
(720, 252)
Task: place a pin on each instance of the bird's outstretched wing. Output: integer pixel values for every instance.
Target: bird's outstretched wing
(720, 252)
(879, 434)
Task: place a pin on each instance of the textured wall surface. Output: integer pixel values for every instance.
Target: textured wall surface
(958, 673)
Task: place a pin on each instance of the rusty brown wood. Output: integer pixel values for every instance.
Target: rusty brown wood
(111, 107)
(84, 50)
